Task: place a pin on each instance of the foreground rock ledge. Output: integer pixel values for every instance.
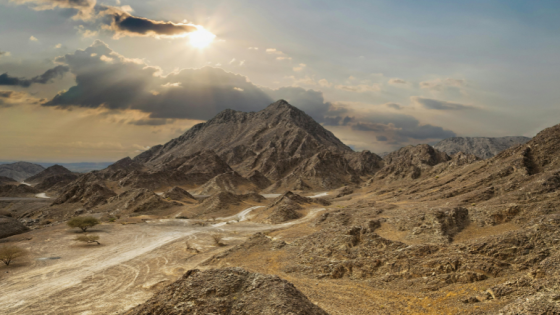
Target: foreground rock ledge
(231, 291)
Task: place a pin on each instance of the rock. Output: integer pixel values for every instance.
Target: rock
(179, 194)
(228, 291)
(18, 191)
(88, 190)
(10, 226)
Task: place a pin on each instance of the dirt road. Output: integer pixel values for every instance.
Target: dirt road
(63, 277)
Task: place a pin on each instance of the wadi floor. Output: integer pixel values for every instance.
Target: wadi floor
(62, 276)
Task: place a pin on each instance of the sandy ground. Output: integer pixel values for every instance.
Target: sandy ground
(61, 276)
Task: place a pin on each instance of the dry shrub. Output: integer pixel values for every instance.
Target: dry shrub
(8, 253)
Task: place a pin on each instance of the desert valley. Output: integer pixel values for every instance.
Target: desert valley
(269, 213)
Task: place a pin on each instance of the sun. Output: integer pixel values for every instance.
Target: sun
(201, 38)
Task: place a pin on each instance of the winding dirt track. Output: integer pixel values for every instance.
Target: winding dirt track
(63, 277)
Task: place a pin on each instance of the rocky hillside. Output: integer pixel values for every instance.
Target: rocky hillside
(281, 143)
(52, 176)
(231, 291)
(20, 170)
(483, 147)
(7, 181)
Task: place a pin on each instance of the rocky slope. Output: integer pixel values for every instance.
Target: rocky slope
(281, 143)
(483, 147)
(228, 291)
(20, 191)
(287, 207)
(224, 204)
(7, 181)
(20, 170)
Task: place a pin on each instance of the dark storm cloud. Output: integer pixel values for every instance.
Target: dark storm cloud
(439, 105)
(107, 79)
(381, 138)
(44, 78)
(113, 18)
(394, 106)
(125, 24)
(151, 122)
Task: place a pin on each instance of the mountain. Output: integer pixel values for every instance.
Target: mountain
(482, 147)
(280, 142)
(20, 170)
(55, 175)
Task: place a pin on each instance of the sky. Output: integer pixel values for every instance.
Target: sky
(86, 80)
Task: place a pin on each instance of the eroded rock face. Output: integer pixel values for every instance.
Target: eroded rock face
(10, 226)
(179, 194)
(482, 147)
(435, 226)
(228, 291)
(138, 200)
(410, 162)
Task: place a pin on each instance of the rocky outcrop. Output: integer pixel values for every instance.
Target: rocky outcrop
(230, 182)
(20, 170)
(228, 291)
(483, 147)
(285, 207)
(179, 194)
(410, 162)
(10, 226)
(435, 226)
(138, 200)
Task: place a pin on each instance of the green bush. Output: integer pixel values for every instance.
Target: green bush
(82, 222)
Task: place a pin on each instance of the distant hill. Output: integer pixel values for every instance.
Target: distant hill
(20, 170)
(483, 147)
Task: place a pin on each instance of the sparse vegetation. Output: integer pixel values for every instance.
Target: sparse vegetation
(217, 238)
(8, 253)
(88, 239)
(83, 223)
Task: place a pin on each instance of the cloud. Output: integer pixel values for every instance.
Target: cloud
(151, 122)
(397, 81)
(393, 106)
(253, 48)
(324, 83)
(131, 84)
(439, 105)
(33, 38)
(44, 78)
(441, 84)
(11, 98)
(125, 24)
(4, 54)
(300, 67)
(85, 32)
(381, 138)
(361, 88)
(117, 19)
(83, 8)
(274, 51)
